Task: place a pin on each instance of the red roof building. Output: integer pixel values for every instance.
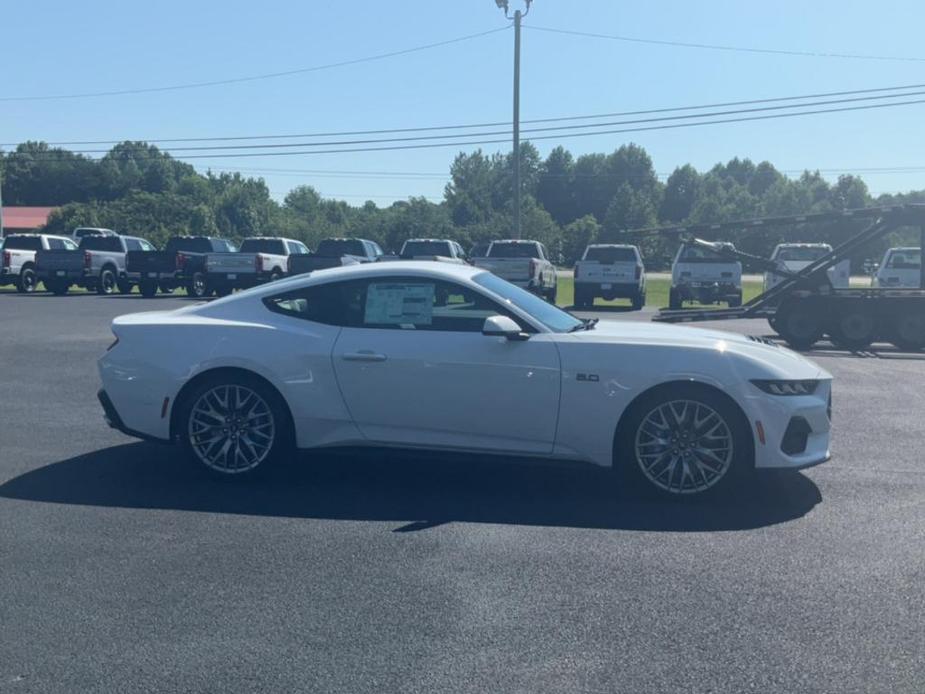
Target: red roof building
(18, 220)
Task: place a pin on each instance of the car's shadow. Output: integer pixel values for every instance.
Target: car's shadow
(413, 490)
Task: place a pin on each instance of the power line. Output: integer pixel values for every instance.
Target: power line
(718, 47)
(385, 131)
(424, 138)
(254, 78)
(567, 135)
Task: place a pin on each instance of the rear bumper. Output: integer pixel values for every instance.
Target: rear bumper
(708, 291)
(610, 290)
(115, 421)
(237, 279)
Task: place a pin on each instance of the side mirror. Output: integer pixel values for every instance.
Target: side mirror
(502, 326)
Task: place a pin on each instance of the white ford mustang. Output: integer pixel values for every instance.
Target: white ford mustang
(440, 356)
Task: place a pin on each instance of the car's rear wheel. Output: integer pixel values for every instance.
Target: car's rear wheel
(234, 426)
(854, 328)
(674, 299)
(147, 289)
(57, 287)
(639, 301)
(27, 280)
(125, 286)
(684, 441)
(197, 286)
(106, 284)
(908, 331)
(799, 323)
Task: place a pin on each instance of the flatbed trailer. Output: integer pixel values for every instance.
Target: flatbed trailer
(804, 306)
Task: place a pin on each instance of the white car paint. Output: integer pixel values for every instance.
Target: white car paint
(901, 267)
(451, 390)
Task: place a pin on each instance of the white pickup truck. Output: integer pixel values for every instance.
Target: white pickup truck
(17, 261)
(901, 267)
(524, 263)
(796, 256)
(701, 275)
(260, 259)
(610, 271)
(432, 249)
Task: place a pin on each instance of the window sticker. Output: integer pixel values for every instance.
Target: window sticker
(399, 303)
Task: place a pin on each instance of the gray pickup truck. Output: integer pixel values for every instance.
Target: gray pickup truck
(335, 253)
(98, 265)
(260, 259)
(17, 262)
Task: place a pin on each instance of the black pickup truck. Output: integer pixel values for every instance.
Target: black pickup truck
(180, 264)
(334, 253)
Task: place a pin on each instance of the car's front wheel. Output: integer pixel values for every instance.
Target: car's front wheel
(234, 425)
(684, 440)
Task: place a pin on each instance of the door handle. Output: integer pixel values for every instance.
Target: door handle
(363, 355)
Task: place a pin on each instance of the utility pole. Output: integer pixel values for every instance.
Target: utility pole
(518, 15)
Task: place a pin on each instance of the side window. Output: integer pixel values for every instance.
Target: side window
(56, 244)
(420, 304)
(376, 250)
(335, 303)
(132, 244)
(296, 248)
(145, 246)
(391, 303)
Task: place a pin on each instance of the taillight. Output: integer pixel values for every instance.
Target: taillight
(258, 262)
(534, 264)
(87, 260)
(7, 259)
(638, 272)
(181, 261)
(289, 265)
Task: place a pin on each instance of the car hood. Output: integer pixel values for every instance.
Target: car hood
(775, 358)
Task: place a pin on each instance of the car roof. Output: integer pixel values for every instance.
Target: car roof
(611, 245)
(803, 245)
(429, 241)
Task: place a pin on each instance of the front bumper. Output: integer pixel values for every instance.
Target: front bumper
(796, 429)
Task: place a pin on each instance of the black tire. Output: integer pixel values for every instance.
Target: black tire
(854, 327)
(197, 286)
(639, 301)
(735, 301)
(148, 289)
(552, 293)
(799, 323)
(125, 287)
(716, 479)
(280, 447)
(674, 299)
(107, 282)
(907, 331)
(223, 290)
(276, 275)
(28, 280)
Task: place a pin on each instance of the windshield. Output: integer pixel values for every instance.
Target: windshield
(611, 254)
(697, 254)
(513, 250)
(552, 317)
(418, 248)
(271, 246)
(335, 248)
(802, 254)
(905, 260)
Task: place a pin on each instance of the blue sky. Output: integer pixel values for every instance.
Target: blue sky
(66, 47)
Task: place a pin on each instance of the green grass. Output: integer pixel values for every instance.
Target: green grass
(656, 293)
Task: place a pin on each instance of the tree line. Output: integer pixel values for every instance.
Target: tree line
(568, 201)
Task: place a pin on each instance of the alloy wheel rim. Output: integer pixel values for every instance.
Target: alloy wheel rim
(29, 281)
(231, 429)
(108, 282)
(684, 447)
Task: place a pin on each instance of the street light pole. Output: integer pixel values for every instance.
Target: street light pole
(518, 15)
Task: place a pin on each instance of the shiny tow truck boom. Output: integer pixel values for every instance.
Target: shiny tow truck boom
(804, 305)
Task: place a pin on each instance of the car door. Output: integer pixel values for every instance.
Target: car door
(415, 369)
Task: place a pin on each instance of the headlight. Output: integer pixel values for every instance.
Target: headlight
(787, 387)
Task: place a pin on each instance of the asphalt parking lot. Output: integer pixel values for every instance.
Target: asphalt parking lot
(122, 569)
